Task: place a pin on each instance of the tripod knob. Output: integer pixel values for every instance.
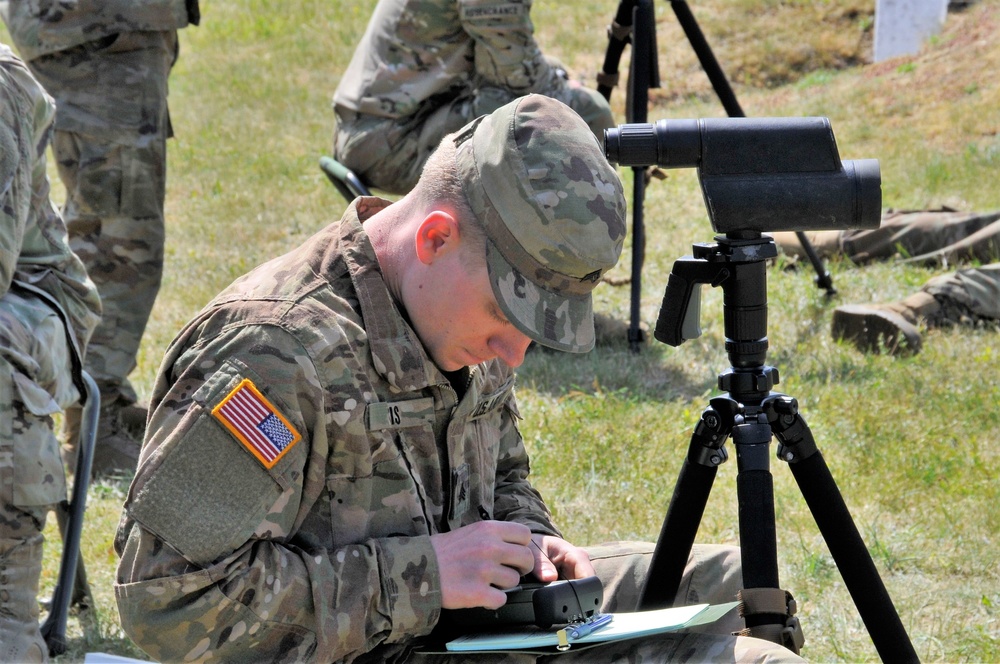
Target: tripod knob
(744, 384)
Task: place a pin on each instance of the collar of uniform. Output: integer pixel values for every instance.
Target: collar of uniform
(396, 351)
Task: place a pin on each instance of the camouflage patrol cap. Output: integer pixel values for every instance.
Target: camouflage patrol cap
(554, 214)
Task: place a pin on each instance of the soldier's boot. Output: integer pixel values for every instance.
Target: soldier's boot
(891, 326)
(826, 243)
(20, 567)
(133, 418)
(120, 428)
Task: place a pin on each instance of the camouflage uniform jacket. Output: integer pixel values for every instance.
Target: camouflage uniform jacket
(35, 258)
(314, 543)
(40, 27)
(414, 50)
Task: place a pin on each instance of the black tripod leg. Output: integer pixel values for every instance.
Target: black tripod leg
(642, 76)
(707, 58)
(839, 532)
(823, 278)
(687, 505)
(853, 561)
(758, 534)
(619, 34)
(638, 256)
(673, 546)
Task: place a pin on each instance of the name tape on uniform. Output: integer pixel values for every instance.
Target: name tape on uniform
(400, 414)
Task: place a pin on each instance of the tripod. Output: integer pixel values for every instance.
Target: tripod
(635, 21)
(751, 413)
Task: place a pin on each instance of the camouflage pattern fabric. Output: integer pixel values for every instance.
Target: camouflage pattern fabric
(919, 236)
(36, 383)
(425, 68)
(42, 27)
(712, 576)
(319, 551)
(106, 64)
(928, 236)
(974, 289)
(317, 543)
(34, 251)
(48, 308)
(554, 214)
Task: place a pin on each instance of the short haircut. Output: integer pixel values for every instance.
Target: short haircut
(440, 187)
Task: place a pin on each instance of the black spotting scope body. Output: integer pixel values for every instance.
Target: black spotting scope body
(760, 174)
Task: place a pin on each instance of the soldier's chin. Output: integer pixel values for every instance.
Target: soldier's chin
(453, 361)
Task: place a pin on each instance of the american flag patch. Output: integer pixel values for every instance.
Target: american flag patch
(256, 423)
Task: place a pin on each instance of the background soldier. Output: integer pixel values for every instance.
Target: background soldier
(425, 68)
(48, 308)
(106, 64)
(966, 297)
(347, 411)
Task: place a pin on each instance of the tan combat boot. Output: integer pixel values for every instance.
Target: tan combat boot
(120, 429)
(20, 567)
(892, 326)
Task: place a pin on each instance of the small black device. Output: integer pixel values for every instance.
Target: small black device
(541, 604)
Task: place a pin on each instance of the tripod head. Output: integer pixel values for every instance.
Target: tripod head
(738, 266)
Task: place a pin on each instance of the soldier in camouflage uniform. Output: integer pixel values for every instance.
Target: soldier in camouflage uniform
(106, 64)
(333, 454)
(969, 296)
(48, 308)
(424, 68)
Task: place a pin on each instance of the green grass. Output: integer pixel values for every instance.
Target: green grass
(911, 442)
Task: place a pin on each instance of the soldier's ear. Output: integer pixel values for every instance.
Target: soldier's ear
(436, 236)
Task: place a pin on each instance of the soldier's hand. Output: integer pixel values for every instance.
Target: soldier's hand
(555, 558)
(477, 562)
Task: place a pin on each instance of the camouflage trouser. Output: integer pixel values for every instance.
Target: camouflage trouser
(924, 236)
(712, 576)
(110, 146)
(932, 236)
(389, 153)
(976, 288)
(35, 382)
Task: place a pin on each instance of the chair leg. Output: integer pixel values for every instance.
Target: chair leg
(344, 179)
(54, 627)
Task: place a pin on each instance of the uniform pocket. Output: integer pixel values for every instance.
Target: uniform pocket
(387, 503)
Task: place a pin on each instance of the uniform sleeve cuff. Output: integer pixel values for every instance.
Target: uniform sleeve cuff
(411, 586)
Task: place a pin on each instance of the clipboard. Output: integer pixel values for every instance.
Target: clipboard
(623, 626)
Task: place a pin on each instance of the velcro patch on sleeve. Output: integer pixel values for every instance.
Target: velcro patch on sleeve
(256, 423)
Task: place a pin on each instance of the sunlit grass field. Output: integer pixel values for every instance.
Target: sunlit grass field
(911, 442)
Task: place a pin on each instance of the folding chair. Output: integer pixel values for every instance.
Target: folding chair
(71, 587)
(344, 179)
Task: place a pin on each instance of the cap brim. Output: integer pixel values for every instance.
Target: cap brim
(559, 321)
